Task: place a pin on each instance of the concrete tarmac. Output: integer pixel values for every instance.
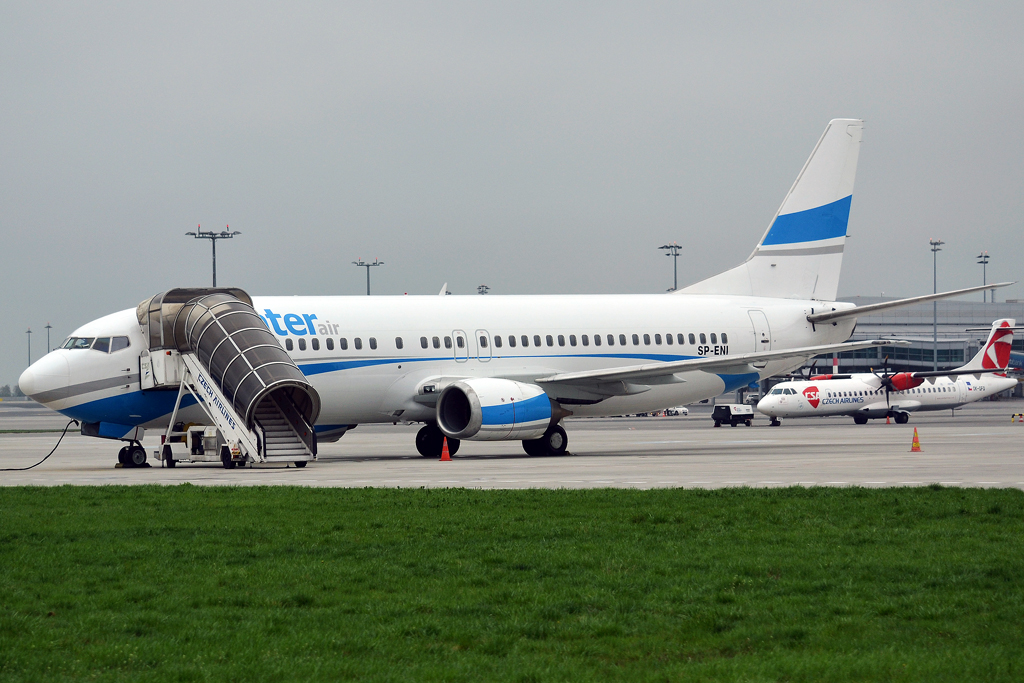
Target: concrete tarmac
(979, 446)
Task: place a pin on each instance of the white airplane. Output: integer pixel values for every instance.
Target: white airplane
(267, 371)
(866, 395)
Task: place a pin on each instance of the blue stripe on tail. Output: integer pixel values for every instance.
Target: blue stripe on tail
(819, 223)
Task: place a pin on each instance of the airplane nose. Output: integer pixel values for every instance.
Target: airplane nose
(764, 405)
(47, 379)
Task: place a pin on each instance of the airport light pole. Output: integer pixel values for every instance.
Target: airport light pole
(482, 289)
(935, 304)
(673, 251)
(48, 328)
(366, 265)
(201, 234)
(29, 333)
(983, 260)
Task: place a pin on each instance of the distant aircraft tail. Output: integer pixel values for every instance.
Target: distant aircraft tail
(801, 253)
(995, 354)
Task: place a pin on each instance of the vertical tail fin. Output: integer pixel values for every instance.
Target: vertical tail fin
(995, 354)
(801, 253)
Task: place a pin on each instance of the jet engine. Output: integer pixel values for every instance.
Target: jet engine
(493, 409)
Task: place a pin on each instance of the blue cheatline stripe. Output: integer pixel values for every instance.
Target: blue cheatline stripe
(734, 382)
(319, 368)
(819, 223)
(149, 405)
(517, 412)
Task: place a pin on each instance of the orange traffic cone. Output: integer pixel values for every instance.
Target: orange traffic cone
(887, 421)
(445, 457)
(915, 447)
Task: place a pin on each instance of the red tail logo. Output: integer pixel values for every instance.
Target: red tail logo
(997, 353)
(811, 394)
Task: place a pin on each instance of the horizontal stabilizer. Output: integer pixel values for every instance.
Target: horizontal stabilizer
(839, 314)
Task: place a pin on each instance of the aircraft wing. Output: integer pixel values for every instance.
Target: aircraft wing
(662, 373)
(829, 316)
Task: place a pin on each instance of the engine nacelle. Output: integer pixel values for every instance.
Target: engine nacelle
(903, 381)
(492, 409)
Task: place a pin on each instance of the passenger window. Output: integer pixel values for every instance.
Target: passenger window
(647, 339)
(497, 341)
(302, 343)
(657, 339)
(680, 338)
(636, 340)
(435, 342)
(399, 343)
(460, 342)
(597, 340)
(343, 344)
(118, 343)
(561, 340)
(725, 338)
(483, 342)
(316, 343)
(525, 340)
(288, 344)
(611, 340)
(622, 339)
(447, 342)
(714, 338)
(585, 339)
(330, 344)
(703, 338)
(102, 345)
(423, 342)
(536, 340)
(572, 340)
(668, 339)
(512, 340)
(549, 340)
(373, 343)
(358, 343)
(693, 340)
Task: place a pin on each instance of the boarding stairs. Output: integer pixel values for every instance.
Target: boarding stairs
(211, 343)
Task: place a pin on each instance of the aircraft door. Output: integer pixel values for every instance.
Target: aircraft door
(461, 346)
(762, 334)
(483, 345)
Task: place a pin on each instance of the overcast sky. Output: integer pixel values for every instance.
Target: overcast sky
(533, 147)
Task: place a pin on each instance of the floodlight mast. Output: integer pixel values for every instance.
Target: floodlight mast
(935, 305)
(201, 234)
(673, 251)
(364, 264)
(983, 260)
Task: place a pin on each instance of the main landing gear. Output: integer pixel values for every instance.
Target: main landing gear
(554, 442)
(430, 440)
(132, 455)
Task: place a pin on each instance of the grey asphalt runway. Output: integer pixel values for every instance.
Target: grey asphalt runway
(979, 446)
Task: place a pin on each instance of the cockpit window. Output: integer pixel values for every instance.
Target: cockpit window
(776, 392)
(118, 343)
(102, 345)
(79, 343)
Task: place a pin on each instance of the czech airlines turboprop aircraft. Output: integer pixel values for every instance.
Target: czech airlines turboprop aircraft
(866, 395)
(274, 374)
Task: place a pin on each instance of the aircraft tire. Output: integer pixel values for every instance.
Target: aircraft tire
(533, 447)
(902, 418)
(555, 440)
(429, 441)
(717, 423)
(776, 422)
(300, 463)
(122, 456)
(136, 456)
(860, 419)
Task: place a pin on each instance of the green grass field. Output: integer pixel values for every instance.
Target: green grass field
(277, 584)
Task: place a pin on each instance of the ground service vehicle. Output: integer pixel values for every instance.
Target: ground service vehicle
(732, 414)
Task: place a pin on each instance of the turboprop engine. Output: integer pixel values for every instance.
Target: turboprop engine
(492, 409)
(902, 381)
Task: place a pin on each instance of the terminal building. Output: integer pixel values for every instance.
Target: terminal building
(955, 345)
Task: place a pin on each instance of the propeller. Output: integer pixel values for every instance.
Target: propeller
(900, 381)
(885, 379)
